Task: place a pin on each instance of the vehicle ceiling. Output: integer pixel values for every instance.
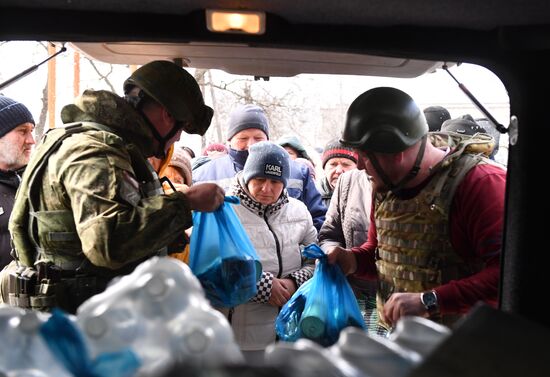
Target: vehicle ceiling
(422, 29)
(466, 14)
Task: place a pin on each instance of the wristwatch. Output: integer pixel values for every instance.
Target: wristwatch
(429, 300)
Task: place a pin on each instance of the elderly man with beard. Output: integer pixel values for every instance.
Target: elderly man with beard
(16, 141)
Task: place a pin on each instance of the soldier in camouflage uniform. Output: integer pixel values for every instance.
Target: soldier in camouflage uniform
(90, 206)
(436, 221)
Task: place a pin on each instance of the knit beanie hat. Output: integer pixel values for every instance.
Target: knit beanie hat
(267, 160)
(180, 161)
(245, 117)
(336, 149)
(293, 142)
(435, 116)
(12, 114)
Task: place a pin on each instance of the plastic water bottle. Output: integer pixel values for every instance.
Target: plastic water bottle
(419, 334)
(306, 358)
(374, 356)
(202, 335)
(25, 354)
(161, 313)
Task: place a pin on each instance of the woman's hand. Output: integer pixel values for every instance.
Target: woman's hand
(281, 291)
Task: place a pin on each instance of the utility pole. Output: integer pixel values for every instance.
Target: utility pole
(76, 74)
(51, 86)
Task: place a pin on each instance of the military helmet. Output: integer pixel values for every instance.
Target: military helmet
(435, 116)
(465, 125)
(384, 120)
(175, 89)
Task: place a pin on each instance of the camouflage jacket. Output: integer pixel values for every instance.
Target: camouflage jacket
(90, 202)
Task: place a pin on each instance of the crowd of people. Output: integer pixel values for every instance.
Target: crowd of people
(410, 203)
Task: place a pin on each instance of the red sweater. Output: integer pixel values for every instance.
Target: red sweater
(476, 218)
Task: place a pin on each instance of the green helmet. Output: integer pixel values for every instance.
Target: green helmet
(384, 120)
(174, 88)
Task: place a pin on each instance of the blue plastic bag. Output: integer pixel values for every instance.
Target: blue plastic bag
(67, 344)
(321, 307)
(222, 256)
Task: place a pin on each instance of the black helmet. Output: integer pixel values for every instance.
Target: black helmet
(465, 125)
(174, 88)
(384, 120)
(435, 116)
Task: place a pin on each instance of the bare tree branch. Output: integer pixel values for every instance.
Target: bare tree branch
(39, 127)
(218, 128)
(102, 76)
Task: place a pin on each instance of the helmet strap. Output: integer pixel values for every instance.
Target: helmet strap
(137, 101)
(410, 175)
(379, 170)
(160, 153)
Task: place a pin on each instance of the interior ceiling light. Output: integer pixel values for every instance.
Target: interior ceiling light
(241, 22)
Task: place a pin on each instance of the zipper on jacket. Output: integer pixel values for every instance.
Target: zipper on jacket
(278, 247)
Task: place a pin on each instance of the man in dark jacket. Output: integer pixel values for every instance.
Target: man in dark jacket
(248, 125)
(16, 141)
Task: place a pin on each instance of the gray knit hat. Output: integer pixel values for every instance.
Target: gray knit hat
(245, 117)
(267, 160)
(12, 114)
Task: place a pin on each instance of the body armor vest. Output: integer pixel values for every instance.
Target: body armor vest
(414, 250)
(54, 270)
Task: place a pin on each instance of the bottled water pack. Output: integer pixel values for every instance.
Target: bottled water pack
(161, 313)
(24, 352)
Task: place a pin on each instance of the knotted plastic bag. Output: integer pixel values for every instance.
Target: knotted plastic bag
(321, 307)
(222, 256)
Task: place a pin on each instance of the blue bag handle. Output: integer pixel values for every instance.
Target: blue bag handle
(314, 252)
(231, 199)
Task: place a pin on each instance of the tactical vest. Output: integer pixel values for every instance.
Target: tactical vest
(54, 270)
(414, 250)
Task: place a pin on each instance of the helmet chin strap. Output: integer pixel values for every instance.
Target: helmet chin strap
(136, 100)
(406, 179)
(161, 152)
